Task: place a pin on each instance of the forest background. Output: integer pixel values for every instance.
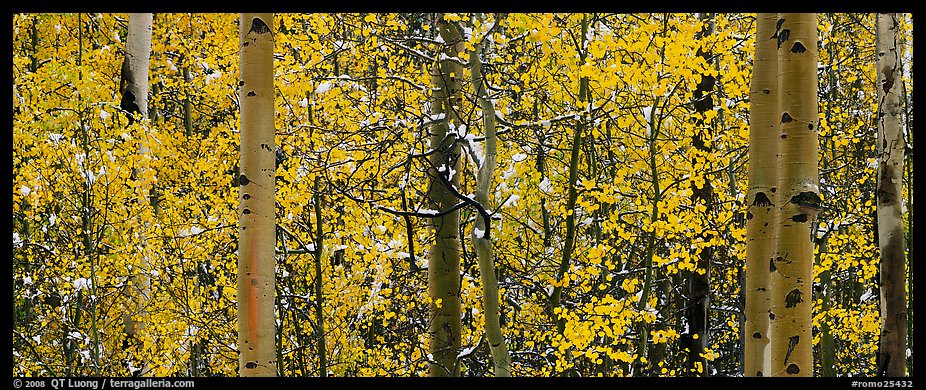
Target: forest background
(595, 227)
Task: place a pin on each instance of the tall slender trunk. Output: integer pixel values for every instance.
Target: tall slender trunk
(827, 342)
(798, 180)
(699, 288)
(908, 169)
(651, 238)
(892, 347)
(319, 296)
(187, 104)
(481, 230)
(827, 347)
(569, 242)
(134, 90)
(256, 219)
(763, 180)
(444, 260)
(34, 35)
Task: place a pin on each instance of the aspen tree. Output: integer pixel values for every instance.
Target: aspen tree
(572, 192)
(763, 179)
(444, 260)
(481, 235)
(133, 87)
(256, 235)
(699, 285)
(798, 183)
(892, 347)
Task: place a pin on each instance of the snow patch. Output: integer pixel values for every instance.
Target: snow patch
(868, 295)
(545, 185)
(192, 231)
(342, 81)
(465, 352)
(213, 76)
(479, 233)
(512, 201)
(82, 283)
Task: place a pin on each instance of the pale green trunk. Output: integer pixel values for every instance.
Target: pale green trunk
(319, 279)
(483, 242)
(444, 260)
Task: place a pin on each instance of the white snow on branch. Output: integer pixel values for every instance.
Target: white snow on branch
(55, 137)
(82, 283)
(545, 185)
(512, 201)
(465, 352)
(647, 117)
(479, 233)
(342, 81)
(866, 296)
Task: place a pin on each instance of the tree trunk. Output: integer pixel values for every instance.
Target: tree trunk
(444, 260)
(319, 292)
(699, 288)
(481, 230)
(798, 179)
(256, 235)
(892, 348)
(569, 241)
(763, 179)
(187, 104)
(653, 124)
(134, 89)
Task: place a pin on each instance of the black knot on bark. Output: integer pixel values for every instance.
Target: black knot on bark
(793, 298)
(762, 200)
(258, 26)
(783, 36)
(798, 47)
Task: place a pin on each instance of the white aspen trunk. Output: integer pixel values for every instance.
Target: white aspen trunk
(256, 235)
(892, 347)
(134, 100)
(798, 183)
(763, 180)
